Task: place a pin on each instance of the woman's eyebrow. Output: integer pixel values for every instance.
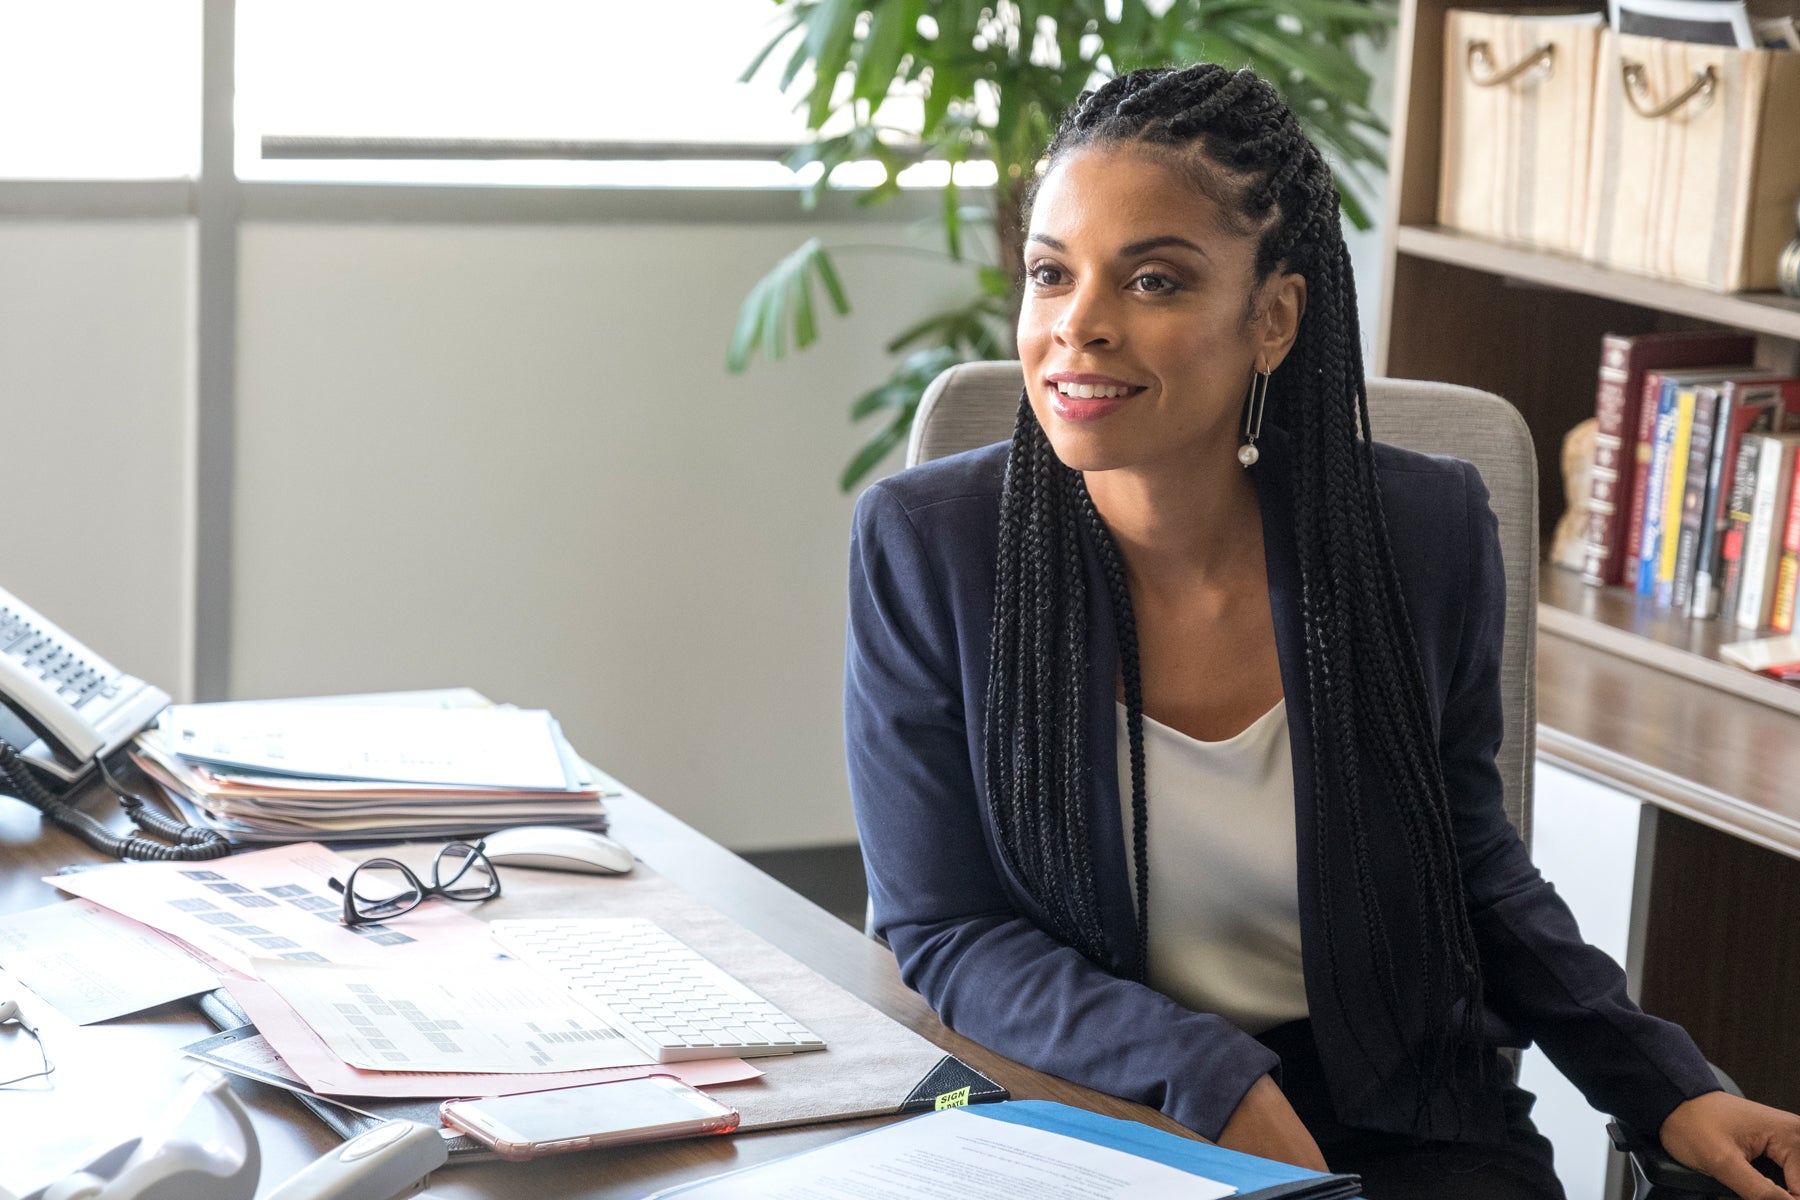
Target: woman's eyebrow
(1157, 243)
(1135, 248)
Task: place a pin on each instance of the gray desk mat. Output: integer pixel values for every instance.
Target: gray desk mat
(871, 1066)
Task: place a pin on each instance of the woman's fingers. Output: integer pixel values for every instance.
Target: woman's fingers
(1721, 1134)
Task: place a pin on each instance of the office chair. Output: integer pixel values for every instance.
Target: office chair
(975, 404)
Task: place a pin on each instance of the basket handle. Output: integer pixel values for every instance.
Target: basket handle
(1637, 91)
(1485, 74)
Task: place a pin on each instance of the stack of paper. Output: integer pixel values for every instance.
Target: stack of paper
(277, 771)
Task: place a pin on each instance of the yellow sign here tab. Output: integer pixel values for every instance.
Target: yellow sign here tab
(957, 1099)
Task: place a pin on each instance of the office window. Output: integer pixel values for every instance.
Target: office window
(99, 89)
(577, 70)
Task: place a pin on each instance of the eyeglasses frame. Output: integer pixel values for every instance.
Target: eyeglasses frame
(421, 893)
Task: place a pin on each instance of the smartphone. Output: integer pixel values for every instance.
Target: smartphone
(613, 1113)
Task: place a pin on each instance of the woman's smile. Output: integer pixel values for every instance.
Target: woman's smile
(1079, 396)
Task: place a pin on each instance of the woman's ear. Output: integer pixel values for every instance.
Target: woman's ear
(1283, 307)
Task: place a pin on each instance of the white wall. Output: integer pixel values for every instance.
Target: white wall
(511, 457)
(96, 415)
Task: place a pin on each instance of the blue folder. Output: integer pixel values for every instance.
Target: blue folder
(1254, 1178)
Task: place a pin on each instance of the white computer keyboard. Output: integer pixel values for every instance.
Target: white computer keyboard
(655, 989)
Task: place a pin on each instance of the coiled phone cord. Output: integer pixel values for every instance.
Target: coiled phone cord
(189, 843)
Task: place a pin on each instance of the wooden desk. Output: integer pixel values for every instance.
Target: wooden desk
(112, 1079)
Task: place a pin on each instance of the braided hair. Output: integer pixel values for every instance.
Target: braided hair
(1238, 142)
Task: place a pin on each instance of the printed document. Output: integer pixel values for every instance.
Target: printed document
(275, 903)
(955, 1153)
(93, 964)
(474, 1015)
(293, 1041)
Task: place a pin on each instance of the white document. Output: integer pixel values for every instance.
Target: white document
(477, 747)
(954, 1153)
(475, 1014)
(93, 964)
(268, 904)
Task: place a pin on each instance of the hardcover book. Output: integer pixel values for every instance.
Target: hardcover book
(1737, 527)
(1618, 401)
(1674, 492)
(1787, 573)
(1692, 510)
(1656, 483)
(1768, 514)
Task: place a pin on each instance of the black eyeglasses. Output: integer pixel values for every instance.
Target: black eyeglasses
(386, 887)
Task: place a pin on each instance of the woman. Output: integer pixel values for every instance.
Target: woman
(1189, 638)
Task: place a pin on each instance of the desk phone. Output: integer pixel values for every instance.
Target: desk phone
(207, 1150)
(63, 710)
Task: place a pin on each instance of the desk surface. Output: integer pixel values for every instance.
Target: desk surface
(112, 1078)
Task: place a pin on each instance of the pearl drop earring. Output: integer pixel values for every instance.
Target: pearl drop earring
(1253, 418)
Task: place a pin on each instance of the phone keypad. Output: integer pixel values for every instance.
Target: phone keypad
(75, 679)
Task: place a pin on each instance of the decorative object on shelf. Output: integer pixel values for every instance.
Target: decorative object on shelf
(1568, 545)
(1693, 145)
(1787, 270)
(1518, 115)
(1776, 657)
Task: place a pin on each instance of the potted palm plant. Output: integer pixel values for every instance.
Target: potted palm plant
(963, 81)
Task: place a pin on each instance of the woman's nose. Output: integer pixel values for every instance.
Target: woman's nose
(1087, 320)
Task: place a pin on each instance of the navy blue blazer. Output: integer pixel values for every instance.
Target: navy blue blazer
(968, 938)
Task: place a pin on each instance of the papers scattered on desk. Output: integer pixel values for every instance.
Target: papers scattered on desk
(421, 1007)
(275, 771)
(94, 964)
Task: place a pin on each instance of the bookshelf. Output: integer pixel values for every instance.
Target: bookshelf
(1527, 325)
(1636, 698)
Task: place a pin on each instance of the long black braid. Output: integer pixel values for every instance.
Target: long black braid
(1238, 142)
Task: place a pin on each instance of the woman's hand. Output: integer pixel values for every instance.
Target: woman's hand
(1719, 1134)
(1266, 1125)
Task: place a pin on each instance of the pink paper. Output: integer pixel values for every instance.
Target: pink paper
(309, 1058)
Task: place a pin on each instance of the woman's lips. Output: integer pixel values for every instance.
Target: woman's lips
(1074, 408)
(1090, 407)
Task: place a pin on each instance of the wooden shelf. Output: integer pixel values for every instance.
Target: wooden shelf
(1757, 312)
(1615, 620)
(1632, 697)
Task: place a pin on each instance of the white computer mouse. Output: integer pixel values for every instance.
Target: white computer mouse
(556, 848)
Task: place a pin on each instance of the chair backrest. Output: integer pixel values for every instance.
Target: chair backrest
(975, 404)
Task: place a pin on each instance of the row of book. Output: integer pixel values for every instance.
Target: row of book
(1693, 503)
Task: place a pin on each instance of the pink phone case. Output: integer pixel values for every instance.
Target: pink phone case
(471, 1116)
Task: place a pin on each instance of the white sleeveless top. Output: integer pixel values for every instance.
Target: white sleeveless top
(1224, 899)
